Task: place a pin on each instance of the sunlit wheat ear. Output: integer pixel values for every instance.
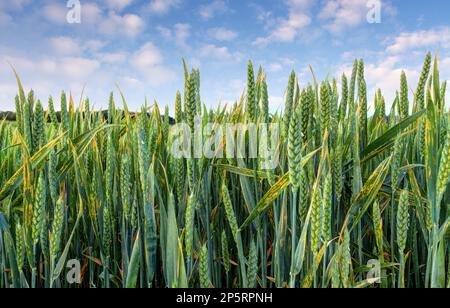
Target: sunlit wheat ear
(352, 87)
(125, 186)
(264, 102)
(190, 102)
(52, 112)
(327, 210)
(64, 113)
(252, 271)
(294, 149)
(403, 221)
(110, 166)
(230, 212)
(303, 196)
(325, 100)
(396, 163)
(316, 220)
(304, 112)
(57, 228)
(444, 166)
(205, 282)
(251, 103)
(345, 259)
(107, 232)
(189, 224)
(288, 104)
(53, 176)
(225, 252)
(404, 101)
(420, 92)
(377, 221)
(38, 211)
(20, 246)
(27, 124)
(344, 98)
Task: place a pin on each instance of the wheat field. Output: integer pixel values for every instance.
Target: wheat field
(359, 198)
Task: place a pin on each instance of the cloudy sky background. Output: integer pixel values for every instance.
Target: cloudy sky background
(138, 45)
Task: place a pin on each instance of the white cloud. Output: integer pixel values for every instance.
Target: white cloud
(408, 41)
(14, 4)
(162, 6)
(147, 55)
(287, 29)
(112, 57)
(179, 34)
(5, 18)
(69, 68)
(129, 25)
(78, 68)
(90, 13)
(275, 67)
(222, 34)
(55, 13)
(219, 53)
(208, 11)
(113, 24)
(149, 61)
(165, 32)
(65, 45)
(182, 32)
(281, 65)
(94, 45)
(118, 4)
(342, 14)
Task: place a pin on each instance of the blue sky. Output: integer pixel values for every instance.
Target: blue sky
(138, 45)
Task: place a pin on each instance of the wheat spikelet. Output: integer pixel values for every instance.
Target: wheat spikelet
(52, 112)
(264, 102)
(38, 211)
(403, 221)
(344, 98)
(107, 232)
(252, 271)
(109, 172)
(327, 210)
(420, 92)
(189, 223)
(444, 167)
(404, 102)
(53, 176)
(225, 252)
(19, 246)
(125, 187)
(316, 221)
(27, 121)
(205, 283)
(294, 149)
(289, 103)
(396, 163)
(251, 94)
(345, 261)
(230, 211)
(57, 227)
(324, 107)
(377, 224)
(64, 113)
(303, 196)
(351, 99)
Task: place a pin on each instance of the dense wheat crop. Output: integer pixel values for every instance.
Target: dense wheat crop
(359, 197)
